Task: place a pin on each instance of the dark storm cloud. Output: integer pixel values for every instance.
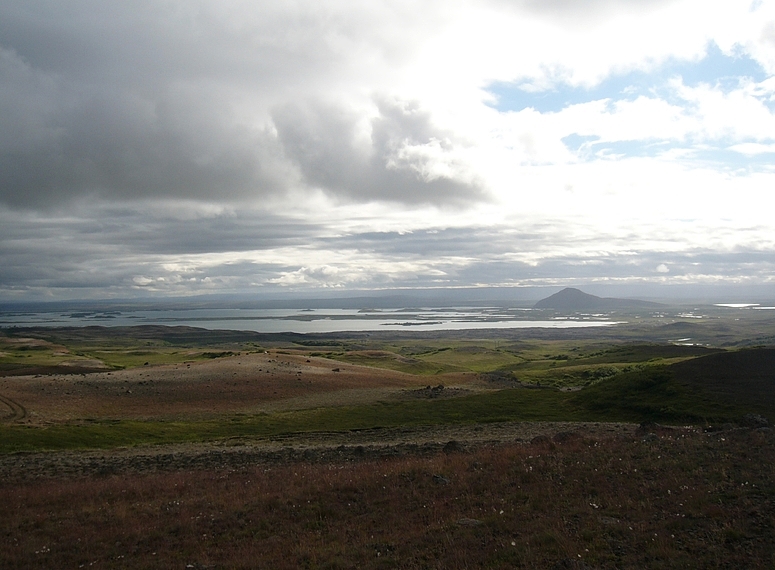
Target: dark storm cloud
(60, 139)
(327, 143)
(120, 100)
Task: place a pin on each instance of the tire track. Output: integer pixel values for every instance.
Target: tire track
(18, 412)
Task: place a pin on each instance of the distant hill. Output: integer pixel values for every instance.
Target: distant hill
(570, 299)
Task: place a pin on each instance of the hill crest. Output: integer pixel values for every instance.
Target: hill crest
(572, 299)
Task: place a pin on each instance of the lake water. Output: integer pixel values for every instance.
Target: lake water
(307, 320)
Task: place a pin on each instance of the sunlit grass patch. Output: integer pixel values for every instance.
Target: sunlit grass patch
(392, 361)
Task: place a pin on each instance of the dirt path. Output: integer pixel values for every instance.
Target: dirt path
(18, 412)
(317, 447)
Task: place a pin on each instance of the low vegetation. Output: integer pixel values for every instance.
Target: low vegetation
(671, 499)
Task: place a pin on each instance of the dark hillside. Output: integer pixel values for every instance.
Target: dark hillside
(720, 387)
(744, 377)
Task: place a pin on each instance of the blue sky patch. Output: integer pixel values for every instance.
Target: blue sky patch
(722, 157)
(715, 68)
(591, 147)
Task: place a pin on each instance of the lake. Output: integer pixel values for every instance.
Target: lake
(309, 320)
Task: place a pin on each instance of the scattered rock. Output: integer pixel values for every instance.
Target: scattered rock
(440, 479)
(717, 428)
(432, 392)
(646, 428)
(754, 421)
(565, 436)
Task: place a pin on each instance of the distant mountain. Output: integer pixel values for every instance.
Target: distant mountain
(570, 299)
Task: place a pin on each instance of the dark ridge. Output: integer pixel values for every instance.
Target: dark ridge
(570, 299)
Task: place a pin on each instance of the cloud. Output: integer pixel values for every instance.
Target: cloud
(181, 147)
(209, 250)
(187, 101)
(752, 149)
(397, 155)
(574, 13)
(61, 141)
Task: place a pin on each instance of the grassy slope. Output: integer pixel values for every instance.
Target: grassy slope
(665, 394)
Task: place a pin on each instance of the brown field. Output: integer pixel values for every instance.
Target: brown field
(245, 383)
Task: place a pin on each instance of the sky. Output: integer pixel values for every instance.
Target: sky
(174, 148)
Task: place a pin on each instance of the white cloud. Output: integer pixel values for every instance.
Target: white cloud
(752, 149)
(736, 115)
